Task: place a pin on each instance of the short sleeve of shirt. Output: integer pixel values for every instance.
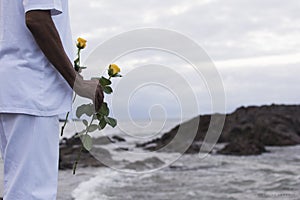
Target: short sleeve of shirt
(55, 6)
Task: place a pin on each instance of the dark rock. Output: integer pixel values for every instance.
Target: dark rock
(70, 141)
(155, 141)
(274, 125)
(122, 149)
(194, 148)
(118, 138)
(69, 150)
(148, 163)
(243, 148)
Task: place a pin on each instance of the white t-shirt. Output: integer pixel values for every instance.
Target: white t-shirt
(29, 84)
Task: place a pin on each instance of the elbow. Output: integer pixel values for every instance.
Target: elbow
(36, 19)
(30, 22)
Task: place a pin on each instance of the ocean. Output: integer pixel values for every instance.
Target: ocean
(273, 175)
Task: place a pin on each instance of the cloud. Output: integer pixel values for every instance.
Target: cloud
(254, 43)
(226, 29)
(261, 61)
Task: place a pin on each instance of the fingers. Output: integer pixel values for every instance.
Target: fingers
(98, 98)
(89, 89)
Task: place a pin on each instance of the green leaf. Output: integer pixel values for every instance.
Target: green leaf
(104, 110)
(99, 116)
(95, 116)
(87, 109)
(111, 121)
(85, 122)
(92, 128)
(107, 89)
(104, 81)
(102, 124)
(87, 142)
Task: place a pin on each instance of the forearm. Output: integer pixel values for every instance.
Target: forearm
(46, 35)
(43, 29)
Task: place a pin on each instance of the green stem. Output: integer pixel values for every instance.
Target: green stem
(63, 127)
(81, 149)
(74, 98)
(78, 55)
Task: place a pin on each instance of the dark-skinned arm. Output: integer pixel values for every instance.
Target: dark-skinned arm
(43, 29)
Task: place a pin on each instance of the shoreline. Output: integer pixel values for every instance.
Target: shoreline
(67, 182)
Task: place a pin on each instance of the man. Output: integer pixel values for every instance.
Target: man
(36, 81)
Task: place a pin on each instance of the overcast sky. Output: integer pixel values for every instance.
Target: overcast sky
(254, 44)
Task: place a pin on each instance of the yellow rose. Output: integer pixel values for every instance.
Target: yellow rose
(81, 43)
(113, 70)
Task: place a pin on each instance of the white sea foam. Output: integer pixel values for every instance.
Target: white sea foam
(270, 176)
(92, 188)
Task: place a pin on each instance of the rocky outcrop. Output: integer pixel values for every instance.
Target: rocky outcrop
(69, 149)
(243, 148)
(117, 138)
(275, 125)
(247, 130)
(146, 164)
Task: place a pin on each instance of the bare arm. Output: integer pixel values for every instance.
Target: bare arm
(43, 29)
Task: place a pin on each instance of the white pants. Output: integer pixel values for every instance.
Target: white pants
(30, 148)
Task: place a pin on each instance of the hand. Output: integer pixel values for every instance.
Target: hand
(89, 89)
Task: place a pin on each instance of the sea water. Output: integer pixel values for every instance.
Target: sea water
(273, 175)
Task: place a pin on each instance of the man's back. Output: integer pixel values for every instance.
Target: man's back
(28, 82)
